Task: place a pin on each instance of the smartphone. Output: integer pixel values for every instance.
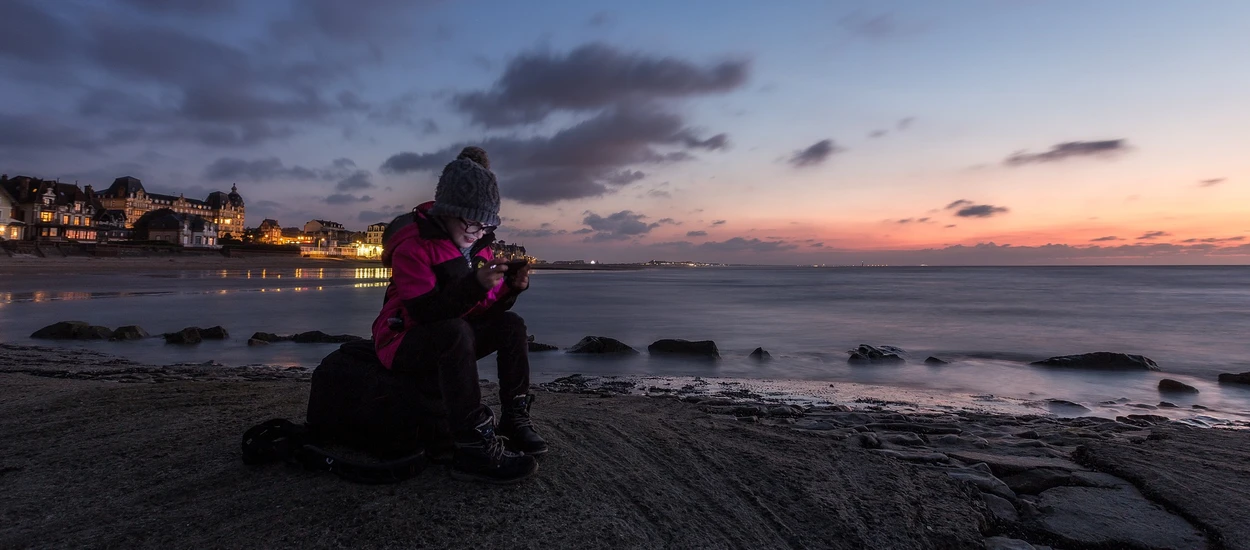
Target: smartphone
(514, 266)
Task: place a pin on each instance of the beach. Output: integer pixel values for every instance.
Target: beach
(101, 451)
(20, 266)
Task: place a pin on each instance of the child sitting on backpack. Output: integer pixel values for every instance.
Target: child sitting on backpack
(446, 307)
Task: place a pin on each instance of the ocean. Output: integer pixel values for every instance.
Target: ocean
(988, 321)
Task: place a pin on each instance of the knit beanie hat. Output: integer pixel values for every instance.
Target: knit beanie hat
(468, 189)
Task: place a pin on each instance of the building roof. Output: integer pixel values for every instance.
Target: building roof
(125, 186)
(268, 225)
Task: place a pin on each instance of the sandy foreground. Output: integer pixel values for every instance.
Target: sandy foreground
(99, 451)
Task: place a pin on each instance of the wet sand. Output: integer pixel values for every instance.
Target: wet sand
(20, 266)
(96, 450)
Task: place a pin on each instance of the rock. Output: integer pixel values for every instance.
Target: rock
(760, 355)
(256, 342)
(1200, 407)
(1167, 385)
(1167, 405)
(1230, 378)
(269, 337)
(318, 337)
(984, 482)
(1066, 406)
(1005, 465)
(1089, 517)
(870, 354)
(601, 345)
(869, 441)
(214, 333)
(73, 330)
(129, 332)
(702, 348)
(1004, 543)
(1151, 418)
(904, 439)
(936, 429)
(931, 360)
(189, 335)
(1000, 508)
(1033, 482)
(919, 457)
(536, 346)
(1100, 360)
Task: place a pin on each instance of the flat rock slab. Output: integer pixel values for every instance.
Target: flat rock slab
(1004, 465)
(1112, 518)
(1204, 474)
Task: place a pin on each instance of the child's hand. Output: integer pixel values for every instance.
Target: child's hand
(521, 280)
(490, 275)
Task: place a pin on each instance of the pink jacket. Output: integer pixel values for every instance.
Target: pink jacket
(430, 281)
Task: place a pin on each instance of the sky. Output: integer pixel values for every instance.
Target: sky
(1004, 132)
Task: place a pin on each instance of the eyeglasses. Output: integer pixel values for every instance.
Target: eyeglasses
(475, 227)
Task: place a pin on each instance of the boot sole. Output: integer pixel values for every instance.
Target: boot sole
(465, 476)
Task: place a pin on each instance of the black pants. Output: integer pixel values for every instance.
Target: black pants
(443, 358)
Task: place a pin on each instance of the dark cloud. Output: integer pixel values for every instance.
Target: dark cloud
(1153, 235)
(1211, 182)
(185, 7)
(600, 19)
(817, 153)
(719, 222)
(905, 123)
(905, 220)
(739, 244)
(382, 216)
(592, 76)
(980, 211)
(870, 26)
(344, 198)
(590, 159)
(43, 134)
(27, 29)
(669, 221)
(877, 133)
(958, 203)
(271, 168)
(696, 233)
(1107, 238)
(1071, 149)
(532, 233)
(360, 179)
(583, 231)
(1215, 239)
(619, 226)
(949, 226)
(817, 245)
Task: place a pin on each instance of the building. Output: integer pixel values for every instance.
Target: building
(325, 233)
(510, 252)
(50, 210)
(188, 230)
(373, 235)
(10, 227)
(270, 232)
(224, 210)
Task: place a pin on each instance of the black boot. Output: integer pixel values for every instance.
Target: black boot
(516, 426)
(480, 456)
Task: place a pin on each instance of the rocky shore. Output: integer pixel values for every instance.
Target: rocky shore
(97, 450)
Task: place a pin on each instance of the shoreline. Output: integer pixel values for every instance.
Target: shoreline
(93, 265)
(723, 464)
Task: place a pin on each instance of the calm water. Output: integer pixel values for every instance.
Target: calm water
(1194, 321)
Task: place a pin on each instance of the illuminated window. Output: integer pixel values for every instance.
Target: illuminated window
(64, 219)
(52, 232)
(45, 216)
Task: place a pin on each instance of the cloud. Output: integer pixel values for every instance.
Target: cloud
(719, 222)
(593, 76)
(532, 233)
(271, 168)
(344, 198)
(1211, 182)
(1216, 239)
(621, 225)
(980, 211)
(1153, 235)
(669, 221)
(600, 19)
(877, 133)
(589, 159)
(905, 123)
(1107, 238)
(583, 231)
(384, 216)
(958, 203)
(696, 233)
(1068, 150)
(360, 179)
(739, 244)
(817, 153)
(870, 26)
(185, 7)
(817, 245)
